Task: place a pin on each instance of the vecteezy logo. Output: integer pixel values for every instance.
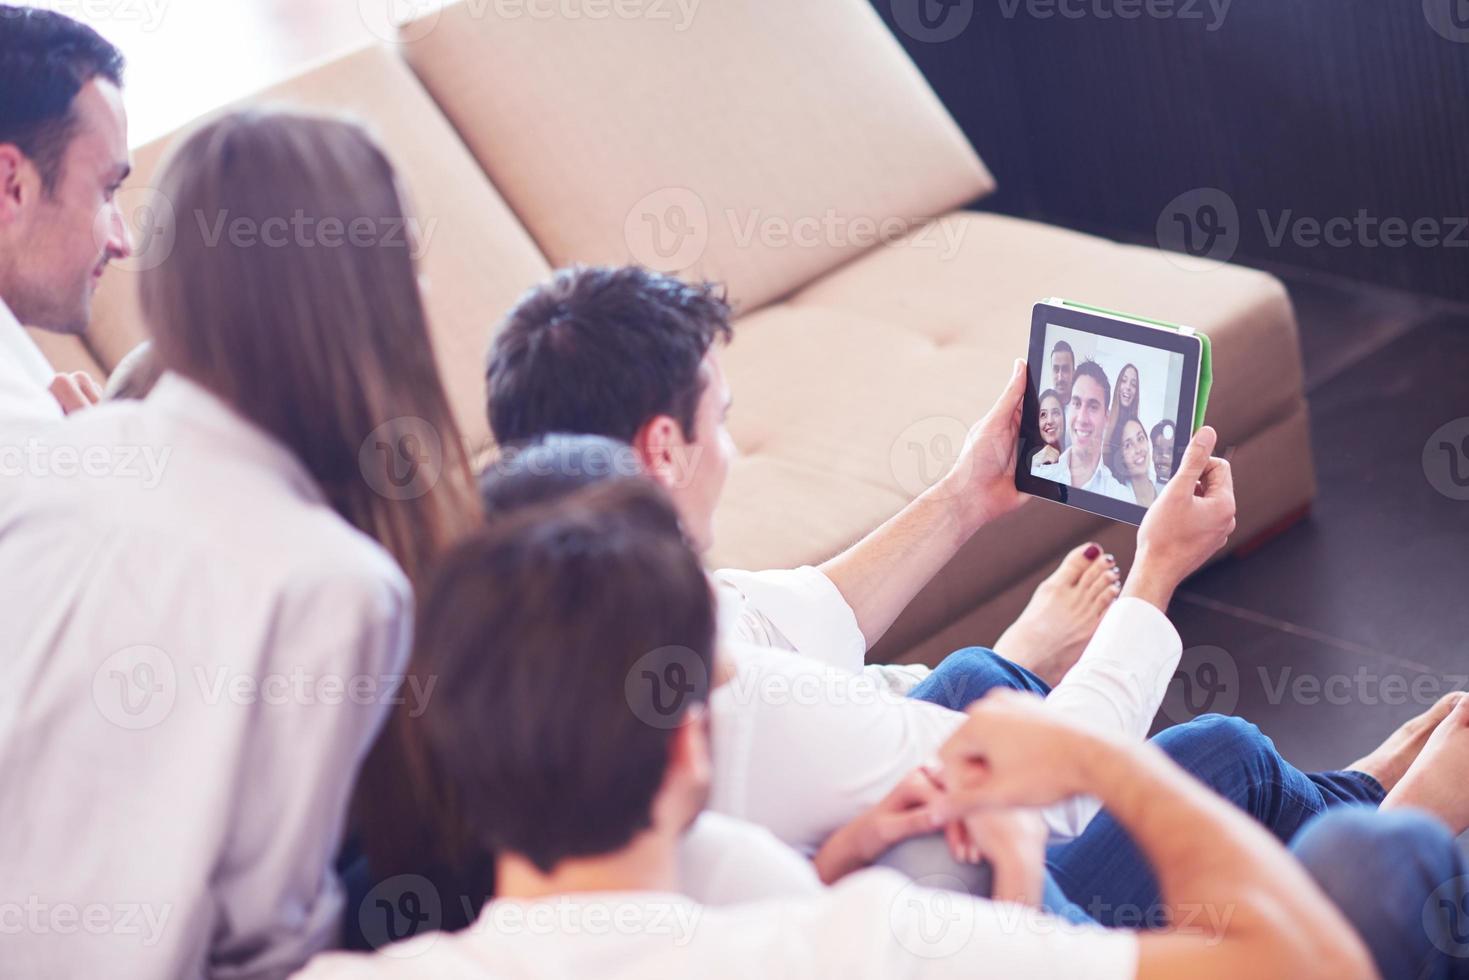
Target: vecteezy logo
(1199, 224)
(398, 908)
(136, 687)
(932, 916)
(1446, 917)
(926, 451)
(1449, 18)
(933, 21)
(403, 21)
(668, 230)
(663, 683)
(402, 459)
(1446, 459)
(149, 217)
(1206, 682)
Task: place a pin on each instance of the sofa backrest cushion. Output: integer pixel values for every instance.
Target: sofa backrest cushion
(476, 258)
(758, 142)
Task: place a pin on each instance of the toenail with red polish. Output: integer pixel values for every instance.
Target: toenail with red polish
(1092, 551)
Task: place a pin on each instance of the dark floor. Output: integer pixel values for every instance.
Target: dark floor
(1358, 618)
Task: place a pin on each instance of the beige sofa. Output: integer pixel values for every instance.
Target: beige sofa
(770, 144)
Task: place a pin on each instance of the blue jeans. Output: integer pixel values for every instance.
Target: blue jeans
(1102, 875)
(1404, 886)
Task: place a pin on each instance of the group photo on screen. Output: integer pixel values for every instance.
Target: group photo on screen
(1108, 415)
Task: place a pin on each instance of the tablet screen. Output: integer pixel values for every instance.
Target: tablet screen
(1109, 398)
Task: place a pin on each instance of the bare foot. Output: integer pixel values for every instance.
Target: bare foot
(1438, 780)
(1063, 614)
(1392, 759)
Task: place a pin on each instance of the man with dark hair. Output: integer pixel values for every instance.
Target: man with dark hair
(806, 766)
(1063, 368)
(63, 156)
(585, 791)
(1162, 437)
(1080, 466)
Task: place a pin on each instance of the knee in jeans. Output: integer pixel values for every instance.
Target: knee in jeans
(1223, 735)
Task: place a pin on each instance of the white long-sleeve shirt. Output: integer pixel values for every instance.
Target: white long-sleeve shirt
(25, 375)
(805, 739)
(197, 654)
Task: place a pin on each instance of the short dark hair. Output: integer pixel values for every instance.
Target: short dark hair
(45, 59)
(540, 629)
(1062, 347)
(1160, 430)
(602, 351)
(1091, 369)
(551, 468)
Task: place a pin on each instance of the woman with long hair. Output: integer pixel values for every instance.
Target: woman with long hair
(1125, 396)
(1052, 421)
(1130, 462)
(323, 342)
(216, 648)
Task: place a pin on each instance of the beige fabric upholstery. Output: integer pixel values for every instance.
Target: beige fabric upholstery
(477, 258)
(758, 121)
(67, 353)
(852, 394)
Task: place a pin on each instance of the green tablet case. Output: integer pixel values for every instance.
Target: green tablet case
(1206, 356)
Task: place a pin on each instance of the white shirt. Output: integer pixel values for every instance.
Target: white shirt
(25, 375)
(803, 747)
(802, 611)
(1102, 481)
(197, 654)
(874, 924)
(724, 861)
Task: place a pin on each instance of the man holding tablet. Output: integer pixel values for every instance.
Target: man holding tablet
(1081, 466)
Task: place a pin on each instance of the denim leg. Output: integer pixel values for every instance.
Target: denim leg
(1401, 880)
(967, 675)
(1104, 872)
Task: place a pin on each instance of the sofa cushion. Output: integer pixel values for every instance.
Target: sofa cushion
(476, 257)
(749, 125)
(855, 393)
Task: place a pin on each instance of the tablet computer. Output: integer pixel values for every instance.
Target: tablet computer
(1111, 401)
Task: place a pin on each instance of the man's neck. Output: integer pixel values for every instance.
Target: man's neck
(1083, 465)
(648, 864)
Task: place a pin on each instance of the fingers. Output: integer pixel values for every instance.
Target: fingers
(68, 394)
(1195, 458)
(913, 823)
(88, 387)
(1217, 478)
(1012, 399)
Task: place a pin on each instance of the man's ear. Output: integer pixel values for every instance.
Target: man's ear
(658, 444)
(688, 753)
(11, 183)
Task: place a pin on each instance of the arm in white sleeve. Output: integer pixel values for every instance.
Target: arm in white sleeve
(1116, 688)
(803, 749)
(278, 898)
(799, 610)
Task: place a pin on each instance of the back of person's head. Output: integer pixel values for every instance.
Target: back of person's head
(45, 59)
(544, 631)
(603, 351)
(552, 467)
(291, 292)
